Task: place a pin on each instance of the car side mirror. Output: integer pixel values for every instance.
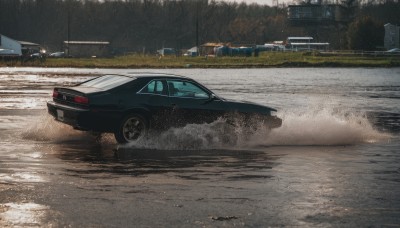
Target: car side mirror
(213, 97)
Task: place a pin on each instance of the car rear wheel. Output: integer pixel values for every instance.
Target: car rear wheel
(131, 129)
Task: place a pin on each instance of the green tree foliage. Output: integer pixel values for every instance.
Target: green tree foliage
(148, 25)
(365, 34)
(136, 25)
(388, 12)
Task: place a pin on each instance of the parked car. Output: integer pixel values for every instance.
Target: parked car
(130, 105)
(36, 56)
(394, 50)
(59, 54)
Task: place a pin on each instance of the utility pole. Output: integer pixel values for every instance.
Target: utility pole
(276, 3)
(197, 27)
(197, 34)
(68, 27)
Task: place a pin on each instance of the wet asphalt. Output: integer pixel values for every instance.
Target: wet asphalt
(78, 181)
(318, 170)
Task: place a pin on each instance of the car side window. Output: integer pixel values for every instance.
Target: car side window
(155, 87)
(185, 89)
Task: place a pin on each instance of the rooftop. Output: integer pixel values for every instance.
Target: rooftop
(25, 43)
(300, 38)
(87, 42)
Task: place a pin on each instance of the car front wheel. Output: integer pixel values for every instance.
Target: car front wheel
(131, 129)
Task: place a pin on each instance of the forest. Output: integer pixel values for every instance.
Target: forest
(143, 26)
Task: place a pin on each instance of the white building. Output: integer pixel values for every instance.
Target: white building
(392, 37)
(304, 44)
(9, 47)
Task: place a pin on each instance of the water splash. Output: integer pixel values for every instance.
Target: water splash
(218, 134)
(317, 127)
(321, 127)
(45, 128)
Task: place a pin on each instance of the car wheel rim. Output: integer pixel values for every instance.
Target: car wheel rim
(133, 129)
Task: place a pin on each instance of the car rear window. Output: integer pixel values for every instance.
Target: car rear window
(107, 81)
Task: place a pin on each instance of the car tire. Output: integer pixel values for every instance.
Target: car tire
(132, 128)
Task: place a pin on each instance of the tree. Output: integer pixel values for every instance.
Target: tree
(365, 34)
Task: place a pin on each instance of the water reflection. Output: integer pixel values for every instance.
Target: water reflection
(22, 214)
(22, 177)
(99, 158)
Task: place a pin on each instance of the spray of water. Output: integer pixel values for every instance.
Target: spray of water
(319, 127)
(322, 127)
(45, 128)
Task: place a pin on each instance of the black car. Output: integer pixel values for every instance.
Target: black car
(129, 105)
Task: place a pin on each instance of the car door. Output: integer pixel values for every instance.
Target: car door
(154, 96)
(191, 103)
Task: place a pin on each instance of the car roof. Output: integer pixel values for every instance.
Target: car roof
(152, 75)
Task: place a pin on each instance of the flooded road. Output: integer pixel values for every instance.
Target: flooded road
(334, 161)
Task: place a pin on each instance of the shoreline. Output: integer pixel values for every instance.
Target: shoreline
(266, 60)
(214, 66)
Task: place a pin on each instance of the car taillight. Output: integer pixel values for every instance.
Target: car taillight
(81, 100)
(55, 93)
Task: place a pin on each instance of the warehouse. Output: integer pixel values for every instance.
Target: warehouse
(11, 49)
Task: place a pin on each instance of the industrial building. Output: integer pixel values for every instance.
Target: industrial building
(82, 49)
(317, 14)
(14, 48)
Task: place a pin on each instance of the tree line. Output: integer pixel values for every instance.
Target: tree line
(148, 25)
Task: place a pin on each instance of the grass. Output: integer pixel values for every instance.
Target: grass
(266, 59)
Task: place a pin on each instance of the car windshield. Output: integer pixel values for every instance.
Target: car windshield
(107, 82)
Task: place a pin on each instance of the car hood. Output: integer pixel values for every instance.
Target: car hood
(248, 107)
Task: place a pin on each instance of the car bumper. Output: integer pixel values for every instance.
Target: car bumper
(76, 117)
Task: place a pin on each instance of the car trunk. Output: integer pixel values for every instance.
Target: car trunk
(76, 96)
